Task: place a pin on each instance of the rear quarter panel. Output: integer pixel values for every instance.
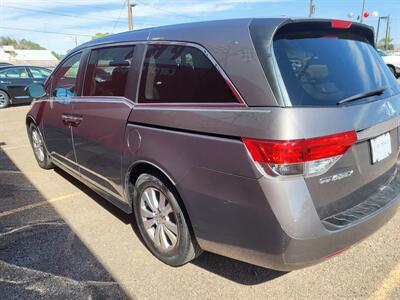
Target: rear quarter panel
(216, 181)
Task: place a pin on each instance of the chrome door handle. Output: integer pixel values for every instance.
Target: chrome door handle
(71, 120)
(66, 119)
(75, 120)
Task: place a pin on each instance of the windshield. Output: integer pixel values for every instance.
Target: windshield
(320, 69)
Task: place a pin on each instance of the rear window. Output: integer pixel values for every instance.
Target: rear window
(322, 67)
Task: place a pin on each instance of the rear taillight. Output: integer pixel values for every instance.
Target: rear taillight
(309, 157)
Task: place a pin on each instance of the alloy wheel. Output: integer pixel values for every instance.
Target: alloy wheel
(159, 219)
(2, 100)
(37, 144)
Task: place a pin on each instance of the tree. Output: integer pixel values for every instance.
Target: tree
(58, 55)
(20, 44)
(7, 41)
(26, 44)
(382, 44)
(99, 35)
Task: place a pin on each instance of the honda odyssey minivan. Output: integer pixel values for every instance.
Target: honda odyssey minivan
(271, 141)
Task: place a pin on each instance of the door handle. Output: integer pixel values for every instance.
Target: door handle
(66, 119)
(37, 81)
(71, 120)
(75, 120)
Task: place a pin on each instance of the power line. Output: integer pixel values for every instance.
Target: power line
(44, 31)
(58, 13)
(69, 4)
(120, 13)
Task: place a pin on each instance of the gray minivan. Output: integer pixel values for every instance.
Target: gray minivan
(271, 141)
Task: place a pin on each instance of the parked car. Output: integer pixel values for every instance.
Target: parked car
(392, 61)
(267, 141)
(14, 79)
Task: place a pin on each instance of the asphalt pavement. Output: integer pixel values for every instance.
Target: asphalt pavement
(59, 240)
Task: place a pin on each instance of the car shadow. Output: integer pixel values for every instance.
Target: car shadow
(234, 270)
(40, 255)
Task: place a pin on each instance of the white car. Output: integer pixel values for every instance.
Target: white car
(392, 61)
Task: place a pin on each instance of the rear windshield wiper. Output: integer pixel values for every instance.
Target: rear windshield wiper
(376, 92)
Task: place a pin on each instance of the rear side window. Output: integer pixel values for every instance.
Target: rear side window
(181, 74)
(322, 67)
(107, 71)
(39, 73)
(14, 73)
(64, 80)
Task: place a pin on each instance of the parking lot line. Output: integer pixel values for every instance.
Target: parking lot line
(15, 147)
(30, 206)
(387, 285)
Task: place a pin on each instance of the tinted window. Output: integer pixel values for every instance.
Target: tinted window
(64, 80)
(320, 69)
(181, 74)
(14, 73)
(107, 71)
(39, 72)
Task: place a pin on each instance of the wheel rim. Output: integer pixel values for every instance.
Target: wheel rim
(2, 99)
(159, 219)
(37, 145)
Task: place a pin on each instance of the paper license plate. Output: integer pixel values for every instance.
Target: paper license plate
(381, 147)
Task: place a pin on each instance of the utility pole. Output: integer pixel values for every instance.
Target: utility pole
(387, 19)
(130, 25)
(387, 32)
(362, 11)
(377, 32)
(311, 8)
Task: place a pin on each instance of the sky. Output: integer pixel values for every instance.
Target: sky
(66, 22)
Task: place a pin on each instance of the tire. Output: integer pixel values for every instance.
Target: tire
(4, 99)
(39, 150)
(167, 221)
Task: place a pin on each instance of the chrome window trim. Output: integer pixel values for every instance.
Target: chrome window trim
(240, 100)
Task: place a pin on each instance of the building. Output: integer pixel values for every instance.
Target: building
(41, 58)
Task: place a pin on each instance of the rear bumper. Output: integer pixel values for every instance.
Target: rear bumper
(301, 253)
(308, 239)
(287, 232)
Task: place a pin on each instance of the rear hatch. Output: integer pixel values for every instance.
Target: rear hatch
(332, 68)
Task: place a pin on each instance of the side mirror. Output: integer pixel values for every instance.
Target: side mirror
(35, 91)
